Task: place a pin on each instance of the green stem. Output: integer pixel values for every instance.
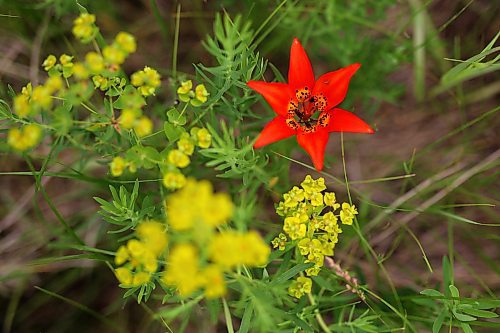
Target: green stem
(317, 314)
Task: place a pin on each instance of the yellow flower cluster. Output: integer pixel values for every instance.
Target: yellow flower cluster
(311, 223)
(203, 255)
(33, 100)
(139, 257)
(195, 205)
(179, 158)
(84, 27)
(196, 97)
(299, 287)
(146, 81)
(25, 137)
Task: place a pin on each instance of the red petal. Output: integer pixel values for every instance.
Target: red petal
(278, 95)
(333, 85)
(300, 72)
(315, 143)
(345, 121)
(275, 130)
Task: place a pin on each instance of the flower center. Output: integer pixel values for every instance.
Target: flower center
(307, 112)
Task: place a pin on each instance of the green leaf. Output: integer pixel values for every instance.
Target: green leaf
(438, 323)
(454, 291)
(175, 118)
(172, 132)
(480, 313)
(466, 328)
(461, 316)
(246, 319)
(290, 273)
(431, 292)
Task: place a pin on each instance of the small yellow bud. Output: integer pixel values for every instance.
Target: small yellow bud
(117, 166)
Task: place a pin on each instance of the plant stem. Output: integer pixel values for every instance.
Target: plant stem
(317, 314)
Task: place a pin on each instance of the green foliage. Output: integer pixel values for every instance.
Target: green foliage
(124, 210)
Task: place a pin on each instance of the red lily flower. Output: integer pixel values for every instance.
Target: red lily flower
(305, 106)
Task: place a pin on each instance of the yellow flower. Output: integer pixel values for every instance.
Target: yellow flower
(113, 55)
(153, 235)
(213, 281)
(230, 248)
(174, 180)
(178, 158)
(200, 96)
(279, 242)
(255, 250)
(217, 210)
(347, 213)
(117, 166)
(143, 127)
(300, 287)
(101, 82)
(316, 199)
(293, 197)
(41, 97)
(310, 246)
(329, 199)
(311, 186)
(122, 255)
(25, 137)
(84, 27)
(146, 81)
(126, 42)
(294, 228)
(183, 269)
(185, 87)
(313, 271)
(54, 83)
(49, 62)
(136, 249)
(140, 278)
(95, 62)
(330, 223)
(204, 138)
(196, 203)
(185, 144)
(128, 118)
(124, 275)
(22, 106)
(80, 71)
(66, 60)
